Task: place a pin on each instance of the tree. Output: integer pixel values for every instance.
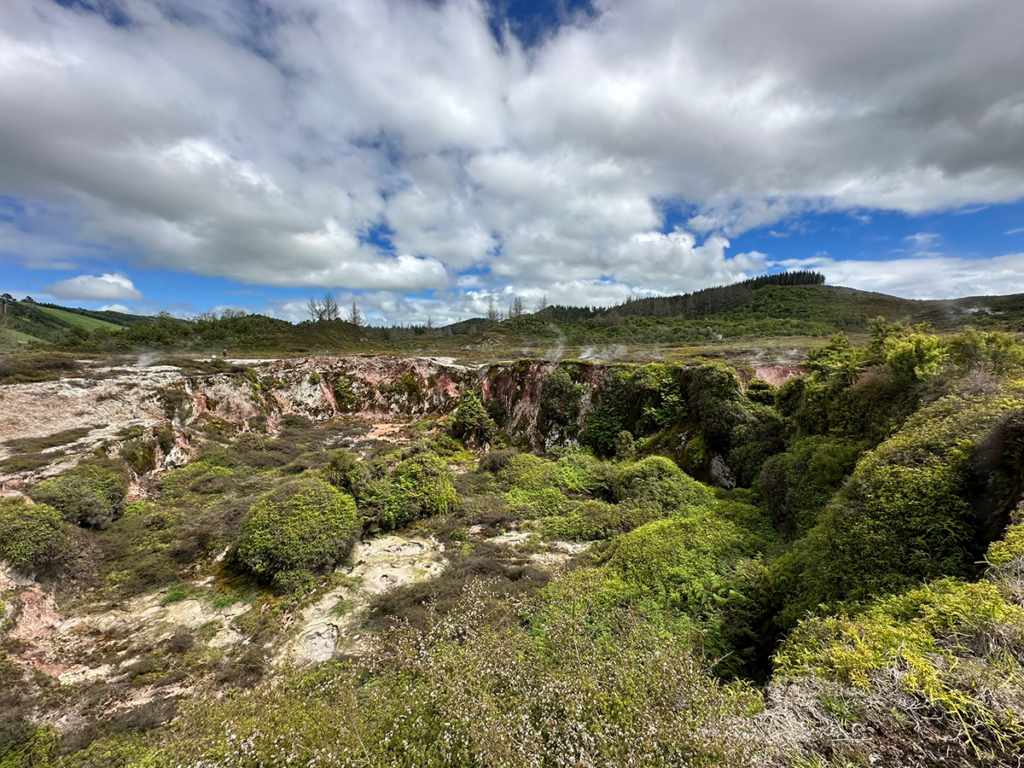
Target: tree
(355, 316)
(517, 308)
(315, 310)
(331, 309)
(492, 311)
(542, 303)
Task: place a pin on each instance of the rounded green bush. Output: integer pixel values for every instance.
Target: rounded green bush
(677, 555)
(304, 525)
(659, 481)
(31, 535)
(92, 494)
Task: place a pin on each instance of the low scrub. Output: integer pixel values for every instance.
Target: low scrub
(91, 494)
(31, 535)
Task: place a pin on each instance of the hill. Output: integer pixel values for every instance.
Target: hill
(788, 305)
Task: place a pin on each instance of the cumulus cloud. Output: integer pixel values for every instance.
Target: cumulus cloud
(945, 277)
(94, 288)
(269, 142)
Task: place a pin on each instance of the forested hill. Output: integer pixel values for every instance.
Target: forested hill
(789, 304)
(759, 309)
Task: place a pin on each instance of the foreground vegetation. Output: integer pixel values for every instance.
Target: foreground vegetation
(696, 571)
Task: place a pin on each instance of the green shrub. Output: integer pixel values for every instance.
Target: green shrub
(91, 494)
(303, 525)
(139, 454)
(31, 535)
(471, 424)
(525, 472)
(948, 643)
(343, 471)
(796, 485)
(533, 692)
(914, 357)
(689, 567)
(762, 392)
(973, 350)
(904, 516)
(596, 520)
(560, 403)
(421, 486)
(659, 482)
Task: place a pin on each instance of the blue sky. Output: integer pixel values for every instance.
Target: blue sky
(426, 158)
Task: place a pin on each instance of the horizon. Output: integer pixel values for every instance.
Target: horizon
(426, 158)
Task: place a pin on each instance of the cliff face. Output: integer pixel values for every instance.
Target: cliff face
(536, 403)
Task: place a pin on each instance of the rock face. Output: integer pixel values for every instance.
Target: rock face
(536, 402)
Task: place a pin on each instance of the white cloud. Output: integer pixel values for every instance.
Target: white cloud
(937, 277)
(93, 288)
(179, 145)
(116, 308)
(1016, 231)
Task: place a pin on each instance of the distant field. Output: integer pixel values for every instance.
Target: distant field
(88, 323)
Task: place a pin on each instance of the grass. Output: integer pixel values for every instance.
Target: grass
(88, 323)
(36, 444)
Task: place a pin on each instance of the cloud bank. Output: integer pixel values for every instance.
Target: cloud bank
(397, 147)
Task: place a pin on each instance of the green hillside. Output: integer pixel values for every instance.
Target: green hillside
(79, 320)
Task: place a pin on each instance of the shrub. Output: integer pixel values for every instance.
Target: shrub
(420, 486)
(495, 461)
(914, 357)
(303, 525)
(973, 350)
(471, 424)
(343, 471)
(560, 403)
(91, 494)
(595, 520)
(762, 392)
(31, 535)
(659, 482)
(952, 645)
(796, 485)
(466, 693)
(905, 516)
(139, 454)
(688, 566)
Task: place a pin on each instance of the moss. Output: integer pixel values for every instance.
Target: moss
(31, 535)
(303, 525)
(91, 494)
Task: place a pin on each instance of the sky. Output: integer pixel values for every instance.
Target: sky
(424, 157)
